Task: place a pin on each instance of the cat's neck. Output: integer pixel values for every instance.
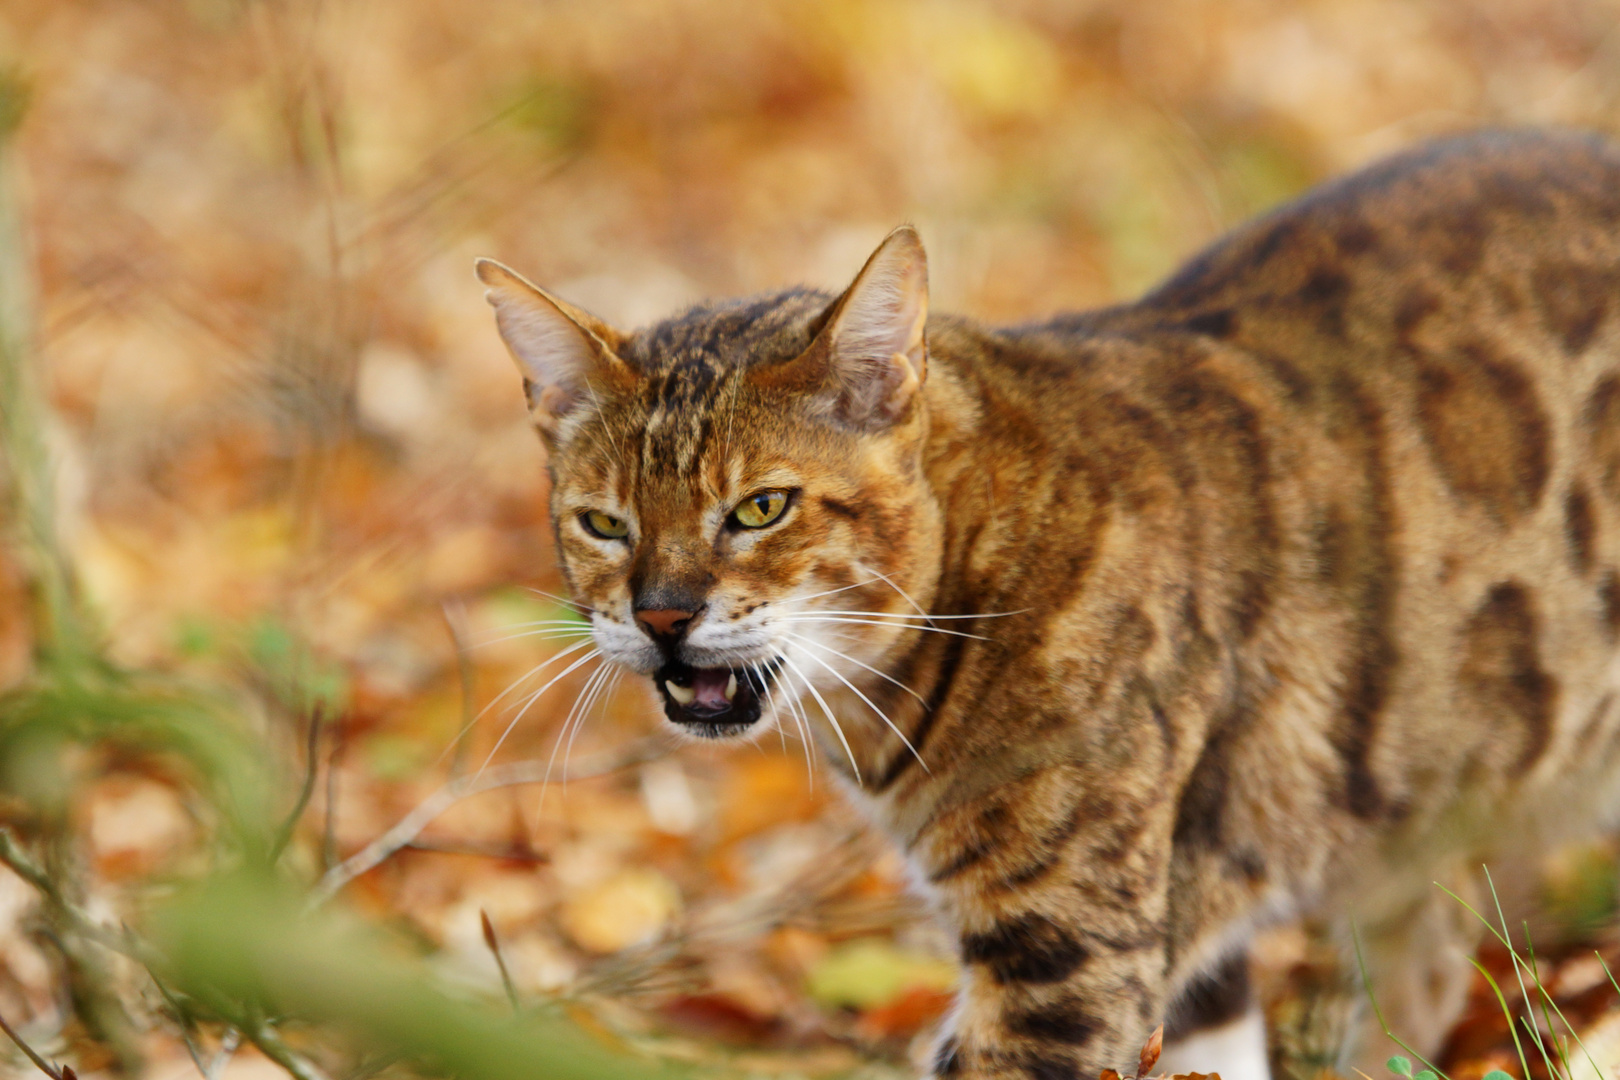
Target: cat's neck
(957, 484)
(990, 519)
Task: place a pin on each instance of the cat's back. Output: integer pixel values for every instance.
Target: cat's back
(1528, 221)
(1496, 252)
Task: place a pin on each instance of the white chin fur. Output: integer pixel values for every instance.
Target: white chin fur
(1236, 1050)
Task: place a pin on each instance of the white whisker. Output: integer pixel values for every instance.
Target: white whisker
(921, 614)
(880, 674)
(891, 625)
(829, 592)
(869, 704)
(548, 624)
(781, 728)
(902, 593)
(536, 697)
(581, 608)
(547, 635)
(552, 659)
(581, 703)
(517, 682)
(544, 622)
(902, 615)
(770, 700)
(598, 676)
(808, 685)
(801, 724)
(590, 696)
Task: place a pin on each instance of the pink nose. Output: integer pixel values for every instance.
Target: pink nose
(665, 622)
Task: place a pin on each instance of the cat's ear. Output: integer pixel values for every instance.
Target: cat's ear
(565, 354)
(869, 361)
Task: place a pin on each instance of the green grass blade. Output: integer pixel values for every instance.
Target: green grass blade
(1366, 983)
(1518, 975)
(1548, 1001)
(1513, 1029)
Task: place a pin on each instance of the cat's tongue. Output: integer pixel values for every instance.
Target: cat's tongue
(714, 687)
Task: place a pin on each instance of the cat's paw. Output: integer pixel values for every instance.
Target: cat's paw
(1236, 1050)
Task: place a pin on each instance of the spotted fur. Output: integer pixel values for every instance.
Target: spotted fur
(1278, 593)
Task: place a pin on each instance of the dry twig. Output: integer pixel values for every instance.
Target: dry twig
(55, 1072)
(411, 825)
(494, 944)
(257, 1030)
(311, 768)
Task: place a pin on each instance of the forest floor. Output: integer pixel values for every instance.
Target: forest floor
(289, 469)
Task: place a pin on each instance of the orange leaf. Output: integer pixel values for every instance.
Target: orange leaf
(1150, 1051)
(904, 1016)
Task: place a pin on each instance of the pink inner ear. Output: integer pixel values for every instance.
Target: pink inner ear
(868, 363)
(882, 320)
(877, 345)
(884, 315)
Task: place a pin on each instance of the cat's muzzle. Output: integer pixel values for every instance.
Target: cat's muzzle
(714, 703)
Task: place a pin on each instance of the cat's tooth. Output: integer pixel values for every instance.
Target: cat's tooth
(731, 686)
(682, 694)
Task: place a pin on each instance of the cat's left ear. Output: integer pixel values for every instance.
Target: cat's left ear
(869, 361)
(565, 353)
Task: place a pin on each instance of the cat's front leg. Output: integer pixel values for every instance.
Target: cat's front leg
(1058, 903)
(1016, 1021)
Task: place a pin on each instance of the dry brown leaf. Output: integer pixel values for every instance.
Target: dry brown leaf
(631, 907)
(905, 1015)
(1150, 1052)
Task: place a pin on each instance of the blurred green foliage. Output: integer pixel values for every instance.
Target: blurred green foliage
(249, 936)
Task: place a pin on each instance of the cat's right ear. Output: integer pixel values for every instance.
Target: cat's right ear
(868, 362)
(565, 353)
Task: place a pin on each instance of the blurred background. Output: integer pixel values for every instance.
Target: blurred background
(266, 451)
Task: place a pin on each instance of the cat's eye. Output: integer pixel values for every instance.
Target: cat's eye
(605, 526)
(759, 510)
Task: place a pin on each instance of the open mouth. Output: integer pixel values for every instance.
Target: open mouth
(714, 703)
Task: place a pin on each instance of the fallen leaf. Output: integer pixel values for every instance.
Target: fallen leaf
(629, 908)
(906, 1015)
(870, 972)
(722, 1017)
(1150, 1052)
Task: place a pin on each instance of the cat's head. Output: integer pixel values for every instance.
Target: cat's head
(737, 492)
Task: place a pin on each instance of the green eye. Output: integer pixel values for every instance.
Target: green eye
(758, 511)
(606, 526)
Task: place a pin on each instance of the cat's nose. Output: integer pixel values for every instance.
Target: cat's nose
(666, 622)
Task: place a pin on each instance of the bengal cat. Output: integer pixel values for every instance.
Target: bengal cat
(1277, 594)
